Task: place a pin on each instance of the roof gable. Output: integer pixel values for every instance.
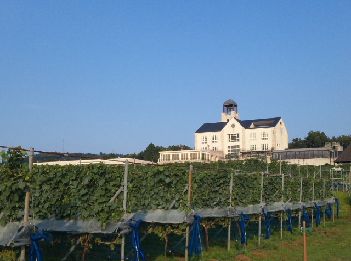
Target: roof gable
(211, 127)
(260, 123)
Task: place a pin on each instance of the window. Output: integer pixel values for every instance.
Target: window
(214, 139)
(175, 156)
(233, 137)
(185, 156)
(203, 156)
(264, 135)
(214, 148)
(193, 156)
(264, 146)
(253, 147)
(234, 150)
(204, 140)
(253, 136)
(166, 157)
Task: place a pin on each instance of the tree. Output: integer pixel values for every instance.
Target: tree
(344, 140)
(297, 143)
(316, 139)
(151, 152)
(13, 159)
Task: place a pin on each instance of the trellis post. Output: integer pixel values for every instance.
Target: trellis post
(281, 213)
(27, 204)
(324, 199)
(260, 214)
(125, 194)
(314, 176)
(230, 205)
(304, 242)
(187, 231)
(282, 197)
(300, 200)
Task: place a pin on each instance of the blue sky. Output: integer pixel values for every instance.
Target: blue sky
(113, 76)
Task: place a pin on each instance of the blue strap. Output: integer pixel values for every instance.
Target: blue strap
(267, 224)
(329, 211)
(318, 214)
(337, 202)
(244, 219)
(306, 217)
(35, 251)
(289, 220)
(139, 254)
(195, 247)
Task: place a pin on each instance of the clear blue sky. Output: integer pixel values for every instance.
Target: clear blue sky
(113, 76)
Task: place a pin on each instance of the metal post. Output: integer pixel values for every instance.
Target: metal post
(125, 194)
(281, 213)
(260, 215)
(314, 176)
(27, 204)
(300, 201)
(324, 198)
(230, 205)
(187, 231)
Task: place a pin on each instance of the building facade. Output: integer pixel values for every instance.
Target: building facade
(231, 137)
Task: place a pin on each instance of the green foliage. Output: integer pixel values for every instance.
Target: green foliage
(315, 139)
(85, 192)
(152, 187)
(13, 159)
(151, 152)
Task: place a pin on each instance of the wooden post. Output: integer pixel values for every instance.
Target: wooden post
(260, 215)
(230, 205)
(27, 204)
(282, 198)
(333, 210)
(125, 194)
(281, 213)
(304, 242)
(300, 201)
(314, 176)
(187, 231)
(324, 198)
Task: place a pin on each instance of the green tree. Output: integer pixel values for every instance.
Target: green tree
(13, 158)
(344, 140)
(297, 143)
(316, 139)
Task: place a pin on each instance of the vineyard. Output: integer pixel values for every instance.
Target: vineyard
(163, 200)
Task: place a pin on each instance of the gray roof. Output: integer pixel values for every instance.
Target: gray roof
(258, 123)
(211, 127)
(261, 123)
(229, 102)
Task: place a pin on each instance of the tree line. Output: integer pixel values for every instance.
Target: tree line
(316, 139)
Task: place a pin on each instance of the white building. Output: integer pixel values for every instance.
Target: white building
(233, 138)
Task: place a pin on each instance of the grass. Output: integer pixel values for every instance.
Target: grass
(330, 242)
